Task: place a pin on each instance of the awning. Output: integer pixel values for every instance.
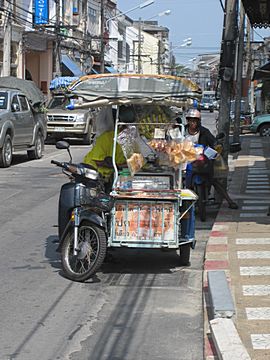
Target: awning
(262, 73)
(71, 65)
(258, 12)
(110, 69)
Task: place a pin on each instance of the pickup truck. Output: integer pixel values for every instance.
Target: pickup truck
(63, 123)
(22, 124)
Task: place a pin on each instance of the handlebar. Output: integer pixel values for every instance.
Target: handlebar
(67, 166)
(57, 163)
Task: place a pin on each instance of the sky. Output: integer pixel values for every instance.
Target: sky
(201, 20)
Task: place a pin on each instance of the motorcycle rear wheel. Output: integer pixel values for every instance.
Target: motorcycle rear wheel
(92, 243)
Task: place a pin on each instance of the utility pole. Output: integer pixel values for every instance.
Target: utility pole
(57, 46)
(239, 72)
(7, 40)
(226, 71)
(102, 45)
(159, 56)
(140, 47)
(251, 69)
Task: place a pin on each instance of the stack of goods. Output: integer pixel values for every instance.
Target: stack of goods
(129, 140)
(177, 152)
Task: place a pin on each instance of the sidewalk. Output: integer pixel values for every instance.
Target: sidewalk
(239, 247)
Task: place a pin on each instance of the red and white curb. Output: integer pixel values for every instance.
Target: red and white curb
(221, 339)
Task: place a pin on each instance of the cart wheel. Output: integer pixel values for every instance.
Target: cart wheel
(185, 254)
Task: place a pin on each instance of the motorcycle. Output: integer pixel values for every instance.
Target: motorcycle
(199, 173)
(82, 225)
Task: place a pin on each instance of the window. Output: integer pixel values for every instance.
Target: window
(15, 103)
(120, 49)
(3, 100)
(24, 103)
(92, 13)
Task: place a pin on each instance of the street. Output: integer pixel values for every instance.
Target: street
(140, 305)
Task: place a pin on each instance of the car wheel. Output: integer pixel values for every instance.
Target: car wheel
(37, 153)
(6, 152)
(87, 139)
(265, 130)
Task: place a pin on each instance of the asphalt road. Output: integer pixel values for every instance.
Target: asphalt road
(140, 305)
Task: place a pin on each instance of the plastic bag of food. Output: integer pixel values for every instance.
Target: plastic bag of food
(135, 163)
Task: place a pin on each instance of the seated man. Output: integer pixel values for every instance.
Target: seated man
(100, 157)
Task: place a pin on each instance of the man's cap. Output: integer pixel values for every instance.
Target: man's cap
(193, 114)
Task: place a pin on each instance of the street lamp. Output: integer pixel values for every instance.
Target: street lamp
(166, 12)
(187, 42)
(140, 6)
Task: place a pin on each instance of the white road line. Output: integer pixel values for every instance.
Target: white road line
(258, 182)
(260, 341)
(260, 187)
(259, 313)
(257, 191)
(255, 208)
(253, 254)
(254, 270)
(250, 201)
(252, 215)
(253, 241)
(256, 290)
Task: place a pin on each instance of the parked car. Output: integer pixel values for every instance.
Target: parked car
(63, 123)
(207, 104)
(22, 123)
(261, 125)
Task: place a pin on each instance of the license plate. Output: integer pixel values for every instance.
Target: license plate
(59, 129)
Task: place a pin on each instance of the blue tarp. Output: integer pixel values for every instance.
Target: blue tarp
(111, 69)
(62, 82)
(71, 65)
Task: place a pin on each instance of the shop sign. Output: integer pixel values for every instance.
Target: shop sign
(41, 12)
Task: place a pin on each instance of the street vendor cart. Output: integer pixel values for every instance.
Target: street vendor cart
(150, 205)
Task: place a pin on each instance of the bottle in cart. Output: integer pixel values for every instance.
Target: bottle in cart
(125, 179)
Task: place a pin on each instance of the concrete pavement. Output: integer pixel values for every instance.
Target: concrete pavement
(239, 248)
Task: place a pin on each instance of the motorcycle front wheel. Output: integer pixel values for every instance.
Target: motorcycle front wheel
(92, 245)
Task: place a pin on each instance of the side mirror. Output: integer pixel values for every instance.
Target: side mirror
(15, 107)
(235, 147)
(62, 145)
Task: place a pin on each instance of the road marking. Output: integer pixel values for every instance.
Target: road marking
(258, 177)
(253, 254)
(253, 241)
(260, 187)
(254, 270)
(259, 313)
(252, 215)
(258, 182)
(256, 290)
(259, 201)
(255, 208)
(257, 191)
(260, 341)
